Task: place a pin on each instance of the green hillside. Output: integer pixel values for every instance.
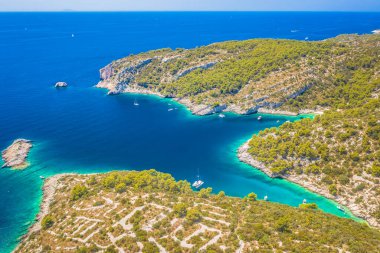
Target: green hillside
(150, 212)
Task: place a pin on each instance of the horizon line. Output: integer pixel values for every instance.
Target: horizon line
(105, 11)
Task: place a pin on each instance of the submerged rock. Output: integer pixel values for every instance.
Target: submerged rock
(60, 85)
(15, 155)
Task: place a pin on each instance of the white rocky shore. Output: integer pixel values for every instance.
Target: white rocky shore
(50, 186)
(15, 155)
(305, 182)
(196, 109)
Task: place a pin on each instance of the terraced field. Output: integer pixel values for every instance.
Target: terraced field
(150, 212)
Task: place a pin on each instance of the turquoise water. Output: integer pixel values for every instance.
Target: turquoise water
(80, 129)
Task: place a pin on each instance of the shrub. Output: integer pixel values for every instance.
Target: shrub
(308, 206)
(313, 169)
(193, 215)
(121, 187)
(111, 249)
(78, 191)
(180, 209)
(376, 213)
(359, 187)
(150, 248)
(252, 196)
(333, 190)
(376, 170)
(47, 222)
(92, 180)
(282, 225)
(281, 167)
(84, 249)
(205, 192)
(99, 203)
(343, 179)
(221, 194)
(355, 156)
(110, 181)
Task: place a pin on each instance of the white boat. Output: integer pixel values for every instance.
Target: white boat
(306, 38)
(72, 35)
(340, 208)
(278, 121)
(170, 109)
(266, 198)
(198, 183)
(222, 115)
(304, 201)
(136, 103)
(42, 177)
(259, 118)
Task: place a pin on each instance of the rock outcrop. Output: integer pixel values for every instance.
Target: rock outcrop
(15, 155)
(118, 82)
(202, 66)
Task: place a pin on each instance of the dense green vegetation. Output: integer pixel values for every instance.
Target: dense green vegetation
(252, 61)
(175, 213)
(340, 149)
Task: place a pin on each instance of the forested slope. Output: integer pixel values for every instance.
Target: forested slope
(339, 151)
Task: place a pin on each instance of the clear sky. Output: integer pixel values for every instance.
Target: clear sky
(188, 5)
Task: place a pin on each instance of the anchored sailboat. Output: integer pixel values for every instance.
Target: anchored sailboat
(340, 208)
(136, 103)
(198, 183)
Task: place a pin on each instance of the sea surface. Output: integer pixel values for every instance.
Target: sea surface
(80, 129)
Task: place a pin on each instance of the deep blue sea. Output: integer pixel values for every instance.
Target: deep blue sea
(80, 129)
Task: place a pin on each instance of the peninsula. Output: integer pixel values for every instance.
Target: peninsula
(15, 155)
(259, 75)
(149, 211)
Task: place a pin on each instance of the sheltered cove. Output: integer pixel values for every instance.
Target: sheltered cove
(152, 73)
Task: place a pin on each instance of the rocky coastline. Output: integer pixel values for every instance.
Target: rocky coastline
(15, 155)
(131, 75)
(199, 109)
(304, 181)
(49, 188)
